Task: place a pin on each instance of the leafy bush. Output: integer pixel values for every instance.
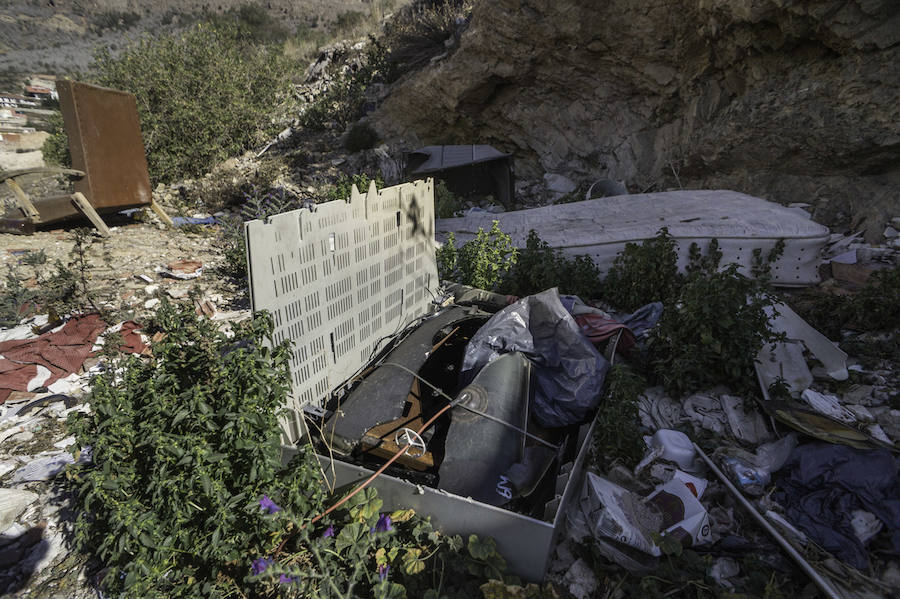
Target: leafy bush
(481, 262)
(183, 447)
(56, 147)
(187, 496)
(115, 20)
(617, 433)
(644, 273)
(539, 267)
(446, 203)
(340, 190)
(253, 22)
(203, 95)
(258, 204)
(418, 33)
(360, 137)
(877, 305)
(342, 103)
(710, 333)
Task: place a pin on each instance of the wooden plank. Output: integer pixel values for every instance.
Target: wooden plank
(81, 202)
(24, 201)
(161, 213)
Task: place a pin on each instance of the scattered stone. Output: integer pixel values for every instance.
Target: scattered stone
(23, 437)
(151, 289)
(859, 394)
(12, 503)
(891, 233)
(64, 443)
(152, 303)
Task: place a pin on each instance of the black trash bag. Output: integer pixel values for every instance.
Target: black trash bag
(569, 371)
(821, 486)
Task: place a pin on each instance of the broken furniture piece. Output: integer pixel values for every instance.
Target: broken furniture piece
(472, 170)
(108, 162)
(378, 349)
(600, 228)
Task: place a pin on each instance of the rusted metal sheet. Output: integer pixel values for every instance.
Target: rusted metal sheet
(105, 142)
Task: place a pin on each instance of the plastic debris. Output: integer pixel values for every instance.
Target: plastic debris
(48, 466)
(672, 510)
(724, 414)
(670, 445)
(827, 404)
(784, 361)
(784, 320)
(753, 472)
(569, 371)
(182, 269)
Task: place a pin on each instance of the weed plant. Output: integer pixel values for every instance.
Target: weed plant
(481, 262)
(644, 273)
(618, 433)
(446, 203)
(539, 267)
(187, 496)
(202, 95)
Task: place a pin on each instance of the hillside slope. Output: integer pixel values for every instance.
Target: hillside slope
(796, 101)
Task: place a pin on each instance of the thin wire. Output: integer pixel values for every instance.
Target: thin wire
(473, 410)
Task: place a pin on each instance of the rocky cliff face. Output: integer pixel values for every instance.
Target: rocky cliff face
(797, 101)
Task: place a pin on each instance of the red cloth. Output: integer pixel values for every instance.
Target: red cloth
(62, 352)
(598, 329)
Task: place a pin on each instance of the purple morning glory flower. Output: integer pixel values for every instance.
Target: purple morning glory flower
(285, 579)
(329, 532)
(259, 565)
(268, 505)
(383, 571)
(384, 523)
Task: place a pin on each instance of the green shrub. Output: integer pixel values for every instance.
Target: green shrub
(203, 95)
(258, 204)
(360, 137)
(417, 33)
(341, 104)
(446, 203)
(340, 190)
(183, 448)
(710, 333)
(877, 305)
(539, 267)
(56, 147)
(254, 23)
(644, 273)
(481, 262)
(187, 496)
(618, 429)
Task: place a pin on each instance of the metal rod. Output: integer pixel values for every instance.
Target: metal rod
(818, 579)
(456, 404)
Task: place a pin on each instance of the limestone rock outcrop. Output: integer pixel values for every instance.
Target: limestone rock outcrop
(792, 100)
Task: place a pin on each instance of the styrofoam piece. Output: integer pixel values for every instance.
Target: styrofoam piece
(340, 278)
(828, 405)
(795, 328)
(600, 228)
(784, 360)
(674, 446)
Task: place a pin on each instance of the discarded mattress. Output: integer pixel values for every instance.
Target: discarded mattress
(600, 228)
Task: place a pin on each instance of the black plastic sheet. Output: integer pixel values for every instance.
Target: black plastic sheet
(569, 371)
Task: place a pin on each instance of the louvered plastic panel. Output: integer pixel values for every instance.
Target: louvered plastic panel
(339, 278)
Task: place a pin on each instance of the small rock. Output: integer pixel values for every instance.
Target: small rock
(64, 443)
(12, 503)
(891, 233)
(23, 437)
(12, 534)
(152, 303)
(559, 184)
(177, 292)
(151, 289)
(858, 394)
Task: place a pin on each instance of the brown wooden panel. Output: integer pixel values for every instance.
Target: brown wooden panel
(105, 142)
